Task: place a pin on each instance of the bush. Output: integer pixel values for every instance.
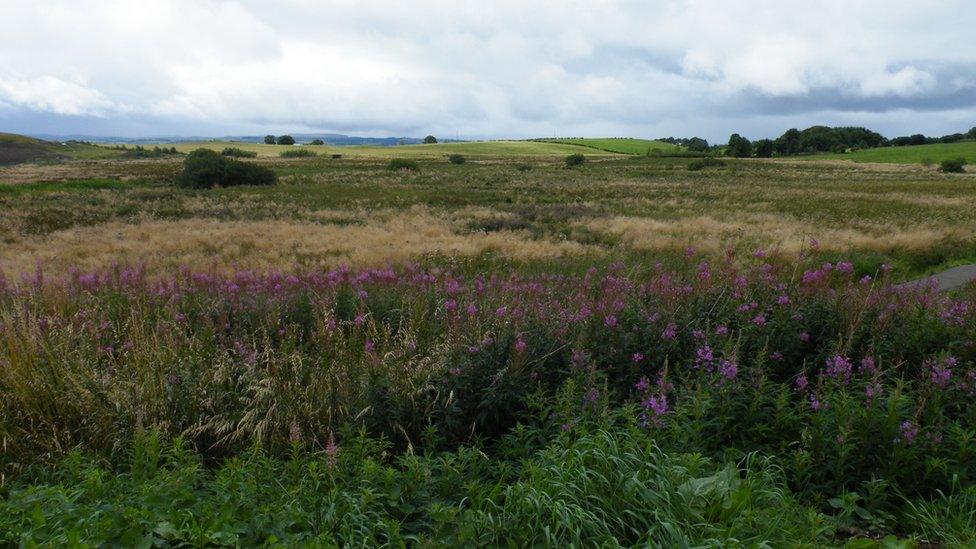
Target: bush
(705, 163)
(953, 166)
(317, 142)
(430, 140)
(297, 153)
(336, 156)
(575, 160)
(398, 164)
(286, 140)
(739, 146)
(236, 152)
(456, 159)
(204, 169)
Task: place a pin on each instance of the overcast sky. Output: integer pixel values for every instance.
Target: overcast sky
(486, 68)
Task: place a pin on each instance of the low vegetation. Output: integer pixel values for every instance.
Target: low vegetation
(237, 152)
(574, 160)
(635, 353)
(403, 164)
(953, 166)
(298, 153)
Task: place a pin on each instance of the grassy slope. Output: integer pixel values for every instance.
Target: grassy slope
(15, 149)
(474, 148)
(910, 155)
(619, 145)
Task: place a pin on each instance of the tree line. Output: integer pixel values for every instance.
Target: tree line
(824, 139)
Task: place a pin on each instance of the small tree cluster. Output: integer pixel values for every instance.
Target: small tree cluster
(280, 140)
(205, 169)
(739, 147)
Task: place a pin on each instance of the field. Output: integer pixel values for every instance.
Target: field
(508, 351)
(619, 145)
(915, 154)
(485, 149)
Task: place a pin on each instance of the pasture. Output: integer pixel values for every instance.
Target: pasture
(505, 351)
(915, 154)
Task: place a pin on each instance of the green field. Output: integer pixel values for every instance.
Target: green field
(438, 150)
(622, 145)
(909, 155)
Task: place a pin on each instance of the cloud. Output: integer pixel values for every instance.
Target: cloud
(498, 69)
(51, 94)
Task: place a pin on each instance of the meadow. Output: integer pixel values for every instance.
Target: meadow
(508, 351)
(916, 154)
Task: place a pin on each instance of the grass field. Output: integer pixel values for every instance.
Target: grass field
(438, 150)
(16, 149)
(508, 351)
(915, 154)
(619, 145)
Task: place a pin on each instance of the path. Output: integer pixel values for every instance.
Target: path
(951, 279)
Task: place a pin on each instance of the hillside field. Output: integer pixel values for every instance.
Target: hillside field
(913, 154)
(437, 150)
(620, 145)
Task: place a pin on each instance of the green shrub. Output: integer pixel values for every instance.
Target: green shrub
(237, 152)
(456, 159)
(297, 153)
(285, 140)
(574, 160)
(957, 165)
(204, 169)
(703, 163)
(336, 156)
(398, 164)
(317, 142)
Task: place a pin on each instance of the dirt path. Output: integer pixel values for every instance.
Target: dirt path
(951, 279)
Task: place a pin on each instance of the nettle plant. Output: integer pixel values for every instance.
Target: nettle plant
(848, 379)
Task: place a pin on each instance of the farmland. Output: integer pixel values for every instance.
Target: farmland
(504, 351)
(915, 154)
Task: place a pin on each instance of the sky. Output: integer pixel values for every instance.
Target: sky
(486, 69)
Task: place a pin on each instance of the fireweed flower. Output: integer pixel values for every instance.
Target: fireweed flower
(643, 384)
(670, 332)
(940, 375)
(759, 320)
(839, 367)
(909, 432)
(610, 321)
(804, 337)
(520, 345)
(783, 300)
(637, 357)
(728, 369)
(592, 395)
(867, 366)
(801, 383)
(722, 330)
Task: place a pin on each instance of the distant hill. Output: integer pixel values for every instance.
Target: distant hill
(17, 149)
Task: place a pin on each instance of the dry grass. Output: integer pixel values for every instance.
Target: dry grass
(779, 232)
(381, 238)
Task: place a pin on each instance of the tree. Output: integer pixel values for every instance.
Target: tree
(286, 140)
(204, 168)
(972, 133)
(788, 144)
(697, 144)
(317, 142)
(764, 148)
(739, 146)
(430, 140)
(574, 160)
(269, 140)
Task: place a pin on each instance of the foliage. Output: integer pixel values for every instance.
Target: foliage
(739, 146)
(270, 140)
(574, 160)
(204, 169)
(764, 148)
(237, 152)
(957, 165)
(285, 140)
(456, 159)
(400, 164)
(317, 142)
(297, 153)
(430, 140)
